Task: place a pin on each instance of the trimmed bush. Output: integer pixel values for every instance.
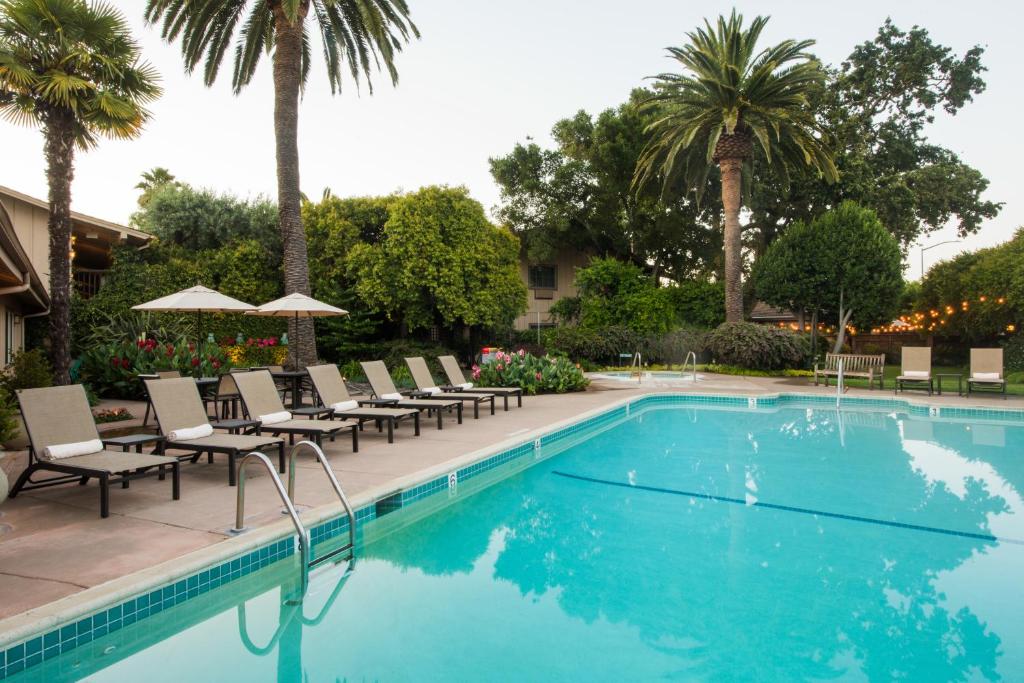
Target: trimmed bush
(28, 370)
(757, 347)
(1013, 353)
(547, 375)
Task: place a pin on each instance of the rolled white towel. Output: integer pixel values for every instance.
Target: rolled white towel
(433, 391)
(342, 406)
(465, 385)
(187, 433)
(392, 397)
(917, 374)
(70, 450)
(983, 376)
(274, 418)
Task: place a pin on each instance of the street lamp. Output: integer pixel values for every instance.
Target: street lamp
(932, 246)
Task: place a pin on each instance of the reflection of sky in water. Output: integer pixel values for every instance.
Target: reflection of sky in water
(648, 553)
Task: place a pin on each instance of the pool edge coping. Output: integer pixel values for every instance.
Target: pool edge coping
(39, 620)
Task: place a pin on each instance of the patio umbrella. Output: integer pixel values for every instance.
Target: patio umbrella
(297, 306)
(198, 299)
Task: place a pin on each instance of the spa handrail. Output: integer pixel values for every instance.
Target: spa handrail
(318, 452)
(285, 498)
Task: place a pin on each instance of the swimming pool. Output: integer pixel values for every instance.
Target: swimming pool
(656, 377)
(669, 539)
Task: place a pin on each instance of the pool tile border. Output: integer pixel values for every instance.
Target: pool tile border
(67, 637)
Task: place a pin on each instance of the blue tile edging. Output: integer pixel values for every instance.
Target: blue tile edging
(66, 637)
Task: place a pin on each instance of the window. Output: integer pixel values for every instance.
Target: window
(542, 277)
(8, 337)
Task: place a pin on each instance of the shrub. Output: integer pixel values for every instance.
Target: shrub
(673, 347)
(256, 352)
(28, 370)
(1013, 353)
(113, 369)
(757, 347)
(533, 375)
(598, 345)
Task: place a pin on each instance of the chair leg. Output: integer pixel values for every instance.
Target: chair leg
(280, 457)
(104, 495)
(492, 405)
(458, 410)
(440, 424)
(175, 480)
(23, 479)
(476, 409)
(232, 475)
(355, 440)
(416, 422)
(519, 397)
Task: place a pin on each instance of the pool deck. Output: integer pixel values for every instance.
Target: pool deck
(53, 543)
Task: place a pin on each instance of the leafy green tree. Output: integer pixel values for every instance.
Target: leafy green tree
(72, 68)
(990, 281)
(362, 34)
(440, 262)
(844, 264)
(152, 180)
(579, 196)
(333, 227)
(202, 219)
(876, 107)
(731, 96)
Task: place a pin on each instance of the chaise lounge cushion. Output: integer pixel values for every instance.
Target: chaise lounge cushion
(916, 374)
(186, 433)
(342, 406)
(274, 418)
(60, 451)
(986, 376)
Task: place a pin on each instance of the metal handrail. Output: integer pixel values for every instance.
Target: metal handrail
(285, 498)
(840, 381)
(638, 363)
(318, 452)
(686, 360)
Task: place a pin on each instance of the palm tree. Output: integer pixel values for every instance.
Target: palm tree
(152, 180)
(364, 34)
(730, 102)
(72, 68)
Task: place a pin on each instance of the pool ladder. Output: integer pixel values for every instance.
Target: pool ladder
(689, 355)
(305, 543)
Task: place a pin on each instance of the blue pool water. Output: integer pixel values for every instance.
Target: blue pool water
(679, 543)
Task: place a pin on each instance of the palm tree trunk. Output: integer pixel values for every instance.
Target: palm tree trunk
(60, 169)
(731, 169)
(287, 80)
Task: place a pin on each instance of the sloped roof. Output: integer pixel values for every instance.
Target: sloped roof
(110, 229)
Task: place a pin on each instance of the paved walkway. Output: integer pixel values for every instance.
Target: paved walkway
(53, 542)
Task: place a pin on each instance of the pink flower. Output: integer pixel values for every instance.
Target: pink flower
(499, 367)
(522, 353)
(538, 376)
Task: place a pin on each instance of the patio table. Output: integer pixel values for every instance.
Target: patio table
(295, 377)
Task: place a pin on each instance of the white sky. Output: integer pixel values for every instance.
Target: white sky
(484, 76)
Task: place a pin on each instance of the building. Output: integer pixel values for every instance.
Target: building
(24, 260)
(547, 282)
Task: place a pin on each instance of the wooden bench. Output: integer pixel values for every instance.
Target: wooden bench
(870, 367)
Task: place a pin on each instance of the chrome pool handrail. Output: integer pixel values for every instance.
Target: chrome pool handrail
(686, 360)
(285, 498)
(319, 454)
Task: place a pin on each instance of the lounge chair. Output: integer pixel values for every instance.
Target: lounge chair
(428, 388)
(330, 388)
(63, 438)
(457, 382)
(182, 419)
(915, 369)
(387, 395)
(262, 402)
(986, 371)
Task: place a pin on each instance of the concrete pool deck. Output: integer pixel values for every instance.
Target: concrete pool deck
(53, 543)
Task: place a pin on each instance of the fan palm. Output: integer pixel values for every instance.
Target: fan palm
(362, 34)
(732, 101)
(72, 68)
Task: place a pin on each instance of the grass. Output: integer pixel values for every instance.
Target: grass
(1015, 386)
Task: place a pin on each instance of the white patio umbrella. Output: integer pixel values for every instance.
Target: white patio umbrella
(297, 306)
(196, 299)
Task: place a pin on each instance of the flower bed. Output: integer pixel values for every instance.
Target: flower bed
(113, 369)
(533, 374)
(255, 352)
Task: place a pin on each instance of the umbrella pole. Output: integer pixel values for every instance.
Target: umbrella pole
(295, 353)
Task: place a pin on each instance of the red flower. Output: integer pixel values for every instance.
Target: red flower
(191, 347)
(125, 363)
(195, 361)
(115, 361)
(140, 343)
(216, 364)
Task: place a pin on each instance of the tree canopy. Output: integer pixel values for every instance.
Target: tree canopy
(843, 264)
(440, 262)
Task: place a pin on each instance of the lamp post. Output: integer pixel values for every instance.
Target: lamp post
(932, 246)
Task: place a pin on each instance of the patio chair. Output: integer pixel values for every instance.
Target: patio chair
(915, 369)
(427, 387)
(457, 382)
(329, 386)
(63, 438)
(182, 419)
(388, 395)
(986, 371)
(262, 402)
(167, 374)
(225, 399)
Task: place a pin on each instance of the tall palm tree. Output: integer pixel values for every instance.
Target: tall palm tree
(72, 68)
(364, 34)
(153, 180)
(730, 102)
